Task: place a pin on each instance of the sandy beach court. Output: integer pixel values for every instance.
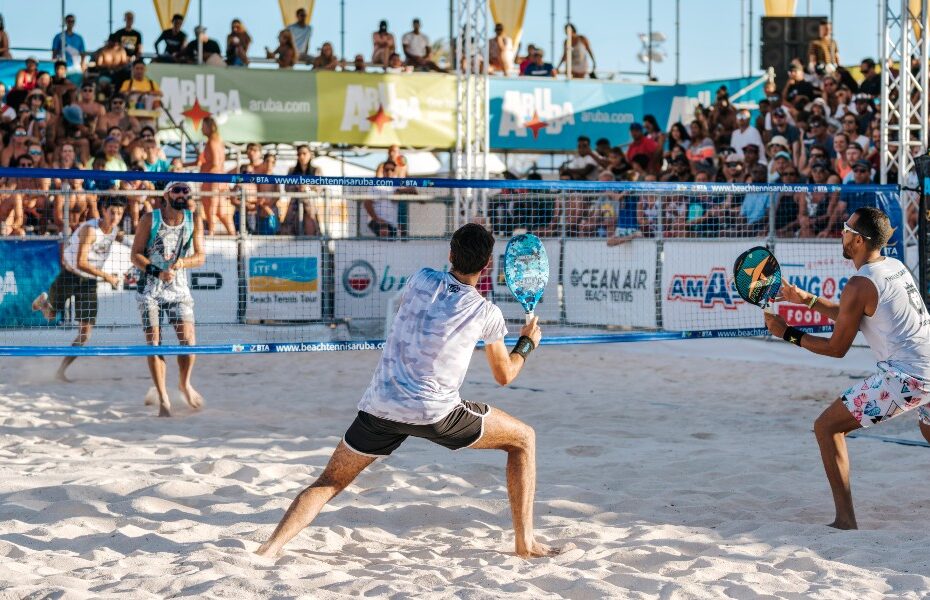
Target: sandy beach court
(677, 470)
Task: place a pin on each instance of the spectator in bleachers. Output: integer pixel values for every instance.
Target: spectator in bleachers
(818, 136)
(815, 208)
(417, 50)
(823, 50)
(396, 65)
(12, 219)
(129, 38)
(786, 208)
(642, 145)
(797, 84)
(750, 217)
(358, 65)
(853, 156)
(18, 145)
(383, 210)
(840, 144)
(851, 128)
(286, 52)
(60, 84)
(80, 208)
(781, 162)
(500, 52)
(174, 41)
(722, 120)
(92, 110)
(326, 60)
(238, 41)
(4, 41)
(584, 165)
(702, 147)
(69, 128)
(744, 133)
(303, 166)
(871, 78)
(617, 163)
(117, 116)
(678, 137)
(679, 170)
(537, 67)
(300, 33)
(751, 157)
(654, 132)
(400, 163)
(602, 152)
(246, 192)
(528, 59)
(383, 45)
(69, 46)
(212, 54)
(26, 80)
(37, 210)
(865, 110)
(580, 49)
(212, 160)
(140, 91)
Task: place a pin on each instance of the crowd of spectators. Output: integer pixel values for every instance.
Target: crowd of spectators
(97, 111)
(820, 127)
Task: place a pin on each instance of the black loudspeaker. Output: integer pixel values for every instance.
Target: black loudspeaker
(787, 38)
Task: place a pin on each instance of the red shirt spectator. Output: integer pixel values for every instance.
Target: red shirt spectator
(641, 144)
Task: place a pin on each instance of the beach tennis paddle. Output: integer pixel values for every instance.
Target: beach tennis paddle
(526, 270)
(757, 276)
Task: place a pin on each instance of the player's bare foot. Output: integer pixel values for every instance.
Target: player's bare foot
(151, 397)
(164, 410)
(267, 551)
(843, 524)
(60, 376)
(193, 397)
(538, 550)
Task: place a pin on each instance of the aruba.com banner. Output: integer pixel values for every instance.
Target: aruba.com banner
(248, 104)
(546, 114)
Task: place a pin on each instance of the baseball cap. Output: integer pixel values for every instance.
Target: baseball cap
(784, 155)
(819, 164)
(637, 126)
(862, 97)
(32, 59)
(818, 122)
(743, 114)
(753, 146)
(773, 98)
(781, 112)
(778, 140)
(862, 163)
(200, 29)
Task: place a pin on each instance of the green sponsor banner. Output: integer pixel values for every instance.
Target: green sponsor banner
(375, 109)
(250, 105)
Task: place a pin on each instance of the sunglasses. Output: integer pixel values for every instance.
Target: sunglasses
(733, 165)
(790, 174)
(860, 170)
(181, 190)
(846, 228)
(35, 152)
(24, 164)
(818, 168)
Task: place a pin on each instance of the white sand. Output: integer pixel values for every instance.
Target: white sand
(671, 481)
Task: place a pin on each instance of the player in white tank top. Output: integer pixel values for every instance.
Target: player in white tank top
(415, 391)
(883, 302)
(82, 264)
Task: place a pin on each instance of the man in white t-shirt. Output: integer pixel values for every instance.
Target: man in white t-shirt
(883, 301)
(417, 49)
(300, 31)
(745, 133)
(415, 391)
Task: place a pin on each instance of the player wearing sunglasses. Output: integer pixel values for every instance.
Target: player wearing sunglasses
(882, 301)
(169, 241)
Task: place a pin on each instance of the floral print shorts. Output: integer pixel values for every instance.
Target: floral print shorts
(887, 394)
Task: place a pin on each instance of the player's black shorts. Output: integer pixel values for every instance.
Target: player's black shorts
(82, 289)
(375, 436)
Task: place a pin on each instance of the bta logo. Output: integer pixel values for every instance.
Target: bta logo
(359, 279)
(708, 290)
(533, 111)
(8, 285)
(369, 105)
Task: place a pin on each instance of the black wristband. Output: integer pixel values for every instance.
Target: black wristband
(793, 335)
(152, 270)
(524, 346)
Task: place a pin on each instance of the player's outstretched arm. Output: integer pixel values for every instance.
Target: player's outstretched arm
(506, 364)
(795, 295)
(857, 295)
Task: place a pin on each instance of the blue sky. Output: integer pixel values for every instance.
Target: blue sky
(710, 29)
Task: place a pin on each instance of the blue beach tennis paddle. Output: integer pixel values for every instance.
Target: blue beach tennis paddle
(526, 270)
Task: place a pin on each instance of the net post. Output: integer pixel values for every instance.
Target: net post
(66, 209)
(922, 164)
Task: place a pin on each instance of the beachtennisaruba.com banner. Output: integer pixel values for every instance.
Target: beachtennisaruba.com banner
(419, 109)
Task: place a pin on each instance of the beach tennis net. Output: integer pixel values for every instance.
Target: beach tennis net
(317, 264)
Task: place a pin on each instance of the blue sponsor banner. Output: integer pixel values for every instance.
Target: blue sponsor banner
(535, 114)
(27, 268)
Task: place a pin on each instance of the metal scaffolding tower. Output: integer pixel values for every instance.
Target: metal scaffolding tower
(472, 137)
(904, 99)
